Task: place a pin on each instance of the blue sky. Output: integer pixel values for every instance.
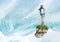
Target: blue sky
(17, 16)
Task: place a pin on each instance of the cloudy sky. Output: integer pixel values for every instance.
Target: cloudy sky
(18, 19)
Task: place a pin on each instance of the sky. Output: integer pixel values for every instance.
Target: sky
(18, 20)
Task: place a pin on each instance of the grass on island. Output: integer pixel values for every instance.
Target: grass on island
(42, 27)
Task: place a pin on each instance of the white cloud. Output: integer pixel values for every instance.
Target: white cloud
(54, 17)
(18, 38)
(6, 8)
(3, 38)
(12, 38)
(51, 36)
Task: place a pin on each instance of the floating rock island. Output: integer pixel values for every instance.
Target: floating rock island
(41, 30)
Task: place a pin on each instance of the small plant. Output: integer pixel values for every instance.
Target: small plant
(42, 27)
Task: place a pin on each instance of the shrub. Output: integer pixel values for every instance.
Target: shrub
(42, 27)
